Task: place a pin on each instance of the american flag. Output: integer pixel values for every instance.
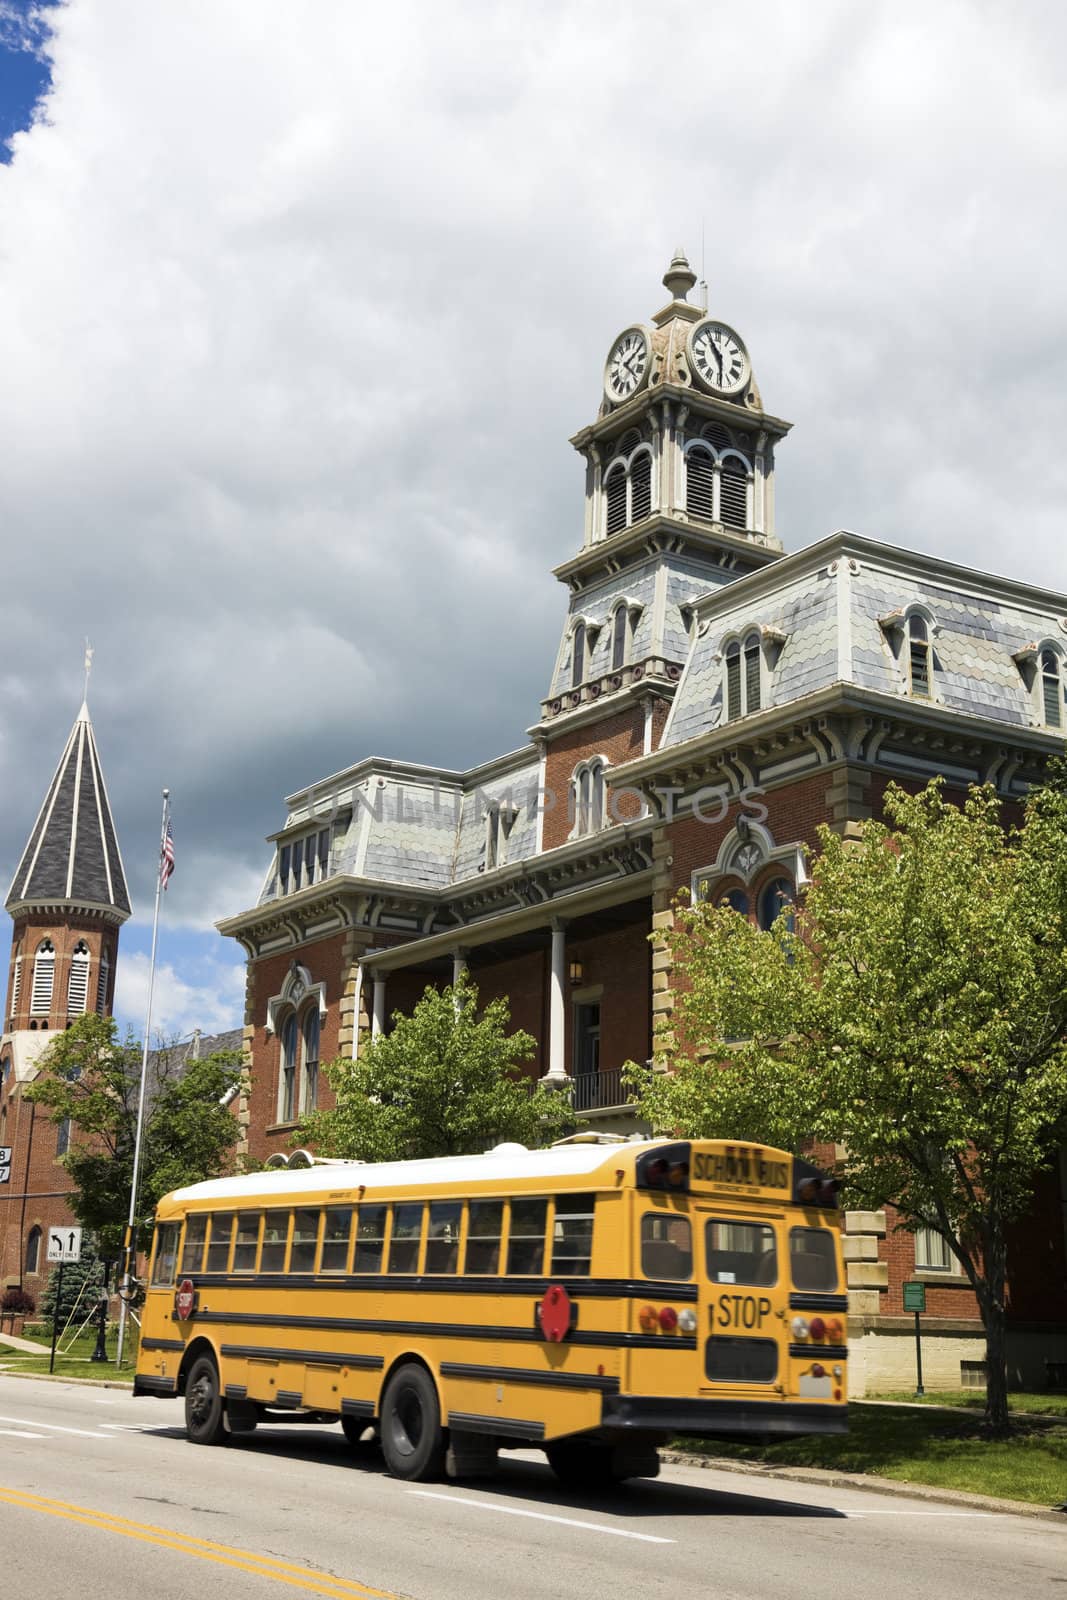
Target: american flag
(166, 859)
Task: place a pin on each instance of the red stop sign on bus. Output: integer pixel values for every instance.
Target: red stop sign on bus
(554, 1314)
(185, 1300)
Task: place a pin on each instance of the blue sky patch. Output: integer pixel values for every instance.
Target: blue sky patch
(25, 71)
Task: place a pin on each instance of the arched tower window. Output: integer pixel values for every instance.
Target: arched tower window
(290, 1045)
(700, 484)
(1052, 689)
(78, 981)
(641, 487)
(615, 497)
(733, 493)
(103, 979)
(44, 976)
(920, 664)
(62, 1136)
(16, 984)
(310, 1031)
(33, 1250)
(578, 655)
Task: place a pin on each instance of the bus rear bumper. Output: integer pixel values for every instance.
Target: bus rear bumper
(722, 1419)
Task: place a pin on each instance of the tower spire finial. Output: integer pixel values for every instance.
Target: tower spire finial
(679, 277)
(88, 669)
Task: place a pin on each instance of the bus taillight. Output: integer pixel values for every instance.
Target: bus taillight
(668, 1319)
(687, 1320)
(800, 1328)
(817, 1328)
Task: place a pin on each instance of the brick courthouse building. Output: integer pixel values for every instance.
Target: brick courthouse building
(712, 700)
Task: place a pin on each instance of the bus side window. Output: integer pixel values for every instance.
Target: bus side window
(526, 1237)
(165, 1261)
(244, 1250)
(275, 1237)
(335, 1235)
(572, 1236)
(484, 1229)
(370, 1238)
(812, 1259)
(218, 1249)
(305, 1241)
(442, 1242)
(407, 1233)
(666, 1246)
(193, 1250)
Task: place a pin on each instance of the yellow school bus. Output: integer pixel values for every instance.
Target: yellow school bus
(593, 1299)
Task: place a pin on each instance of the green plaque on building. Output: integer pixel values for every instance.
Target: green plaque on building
(915, 1297)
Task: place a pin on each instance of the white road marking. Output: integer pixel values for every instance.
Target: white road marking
(56, 1427)
(127, 1427)
(540, 1516)
(20, 1433)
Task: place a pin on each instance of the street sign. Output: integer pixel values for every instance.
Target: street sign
(5, 1163)
(185, 1300)
(64, 1244)
(915, 1297)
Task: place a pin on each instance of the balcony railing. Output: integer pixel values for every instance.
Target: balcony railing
(600, 1091)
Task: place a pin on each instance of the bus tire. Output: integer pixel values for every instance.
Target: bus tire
(205, 1414)
(413, 1442)
(583, 1464)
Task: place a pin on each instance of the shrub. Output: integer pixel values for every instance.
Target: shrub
(17, 1303)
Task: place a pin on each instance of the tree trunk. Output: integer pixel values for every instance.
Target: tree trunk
(991, 1300)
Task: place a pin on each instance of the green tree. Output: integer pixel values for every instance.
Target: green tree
(917, 1013)
(90, 1076)
(443, 1082)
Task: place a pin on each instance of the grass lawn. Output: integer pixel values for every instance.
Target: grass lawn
(929, 1447)
(1049, 1405)
(77, 1363)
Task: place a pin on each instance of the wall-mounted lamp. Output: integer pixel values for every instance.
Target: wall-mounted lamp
(576, 971)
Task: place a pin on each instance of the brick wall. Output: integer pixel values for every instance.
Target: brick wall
(619, 738)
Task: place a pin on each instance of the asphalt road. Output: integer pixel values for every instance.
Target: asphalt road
(101, 1495)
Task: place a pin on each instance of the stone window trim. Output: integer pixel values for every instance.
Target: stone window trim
(703, 490)
(911, 633)
(769, 641)
(746, 856)
(588, 796)
(298, 988)
(583, 632)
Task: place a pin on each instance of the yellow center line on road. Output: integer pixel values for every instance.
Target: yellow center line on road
(205, 1549)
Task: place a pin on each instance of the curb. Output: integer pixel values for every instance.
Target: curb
(905, 1489)
(60, 1377)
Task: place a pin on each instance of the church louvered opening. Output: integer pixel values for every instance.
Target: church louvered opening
(1051, 689)
(16, 985)
(78, 981)
(641, 487)
(717, 435)
(733, 493)
(700, 484)
(628, 443)
(615, 496)
(44, 977)
(102, 982)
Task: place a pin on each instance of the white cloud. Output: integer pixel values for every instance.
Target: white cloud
(295, 321)
(178, 1005)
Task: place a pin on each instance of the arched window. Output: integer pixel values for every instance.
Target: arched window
(62, 1136)
(44, 975)
(775, 900)
(33, 1250)
(737, 900)
(78, 980)
(752, 673)
(743, 677)
(287, 1095)
(588, 787)
(1052, 689)
(615, 497)
(733, 493)
(102, 981)
(700, 484)
(16, 985)
(620, 637)
(310, 1031)
(578, 655)
(641, 487)
(920, 664)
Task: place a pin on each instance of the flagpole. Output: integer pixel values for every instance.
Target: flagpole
(130, 1244)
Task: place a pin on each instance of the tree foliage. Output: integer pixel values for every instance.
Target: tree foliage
(90, 1076)
(916, 1013)
(444, 1081)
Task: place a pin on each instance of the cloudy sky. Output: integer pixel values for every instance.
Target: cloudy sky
(299, 308)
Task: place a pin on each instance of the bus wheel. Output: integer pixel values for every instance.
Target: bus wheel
(204, 1417)
(413, 1443)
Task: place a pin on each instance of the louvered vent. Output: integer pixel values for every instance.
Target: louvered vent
(78, 982)
(16, 985)
(920, 668)
(628, 443)
(101, 984)
(616, 501)
(1052, 695)
(717, 435)
(733, 494)
(641, 488)
(44, 974)
(733, 683)
(700, 484)
(752, 674)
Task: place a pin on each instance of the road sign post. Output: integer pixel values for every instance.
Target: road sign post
(915, 1300)
(100, 1353)
(57, 1307)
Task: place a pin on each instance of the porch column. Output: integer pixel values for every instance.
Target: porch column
(557, 1075)
(459, 965)
(377, 1024)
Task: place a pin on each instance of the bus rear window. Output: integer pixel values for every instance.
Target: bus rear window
(572, 1236)
(335, 1236)
(741, 1252)
(193, 1251)
(244, 1250)
(526, 1239)
(404, 1245)
(483, 1236)
(370, 1238)
(305, 1239)
(813, 1259)
(166, 1257)
(275, 1237)
(666, 1246)
(442, 1244)
(218, 1250)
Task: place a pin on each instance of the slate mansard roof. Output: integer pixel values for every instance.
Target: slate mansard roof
(73, 857)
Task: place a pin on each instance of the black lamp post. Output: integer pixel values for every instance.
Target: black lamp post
(100, 1353)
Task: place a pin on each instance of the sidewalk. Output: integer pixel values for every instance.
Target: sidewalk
(28, 1347)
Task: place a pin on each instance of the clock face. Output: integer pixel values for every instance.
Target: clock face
(719, 358)
(627, 366)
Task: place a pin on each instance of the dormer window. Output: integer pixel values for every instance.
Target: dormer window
(743, 677)
(1052, 688)
(499, 821)
(304, 861)
(920, 658)
(578, 655)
